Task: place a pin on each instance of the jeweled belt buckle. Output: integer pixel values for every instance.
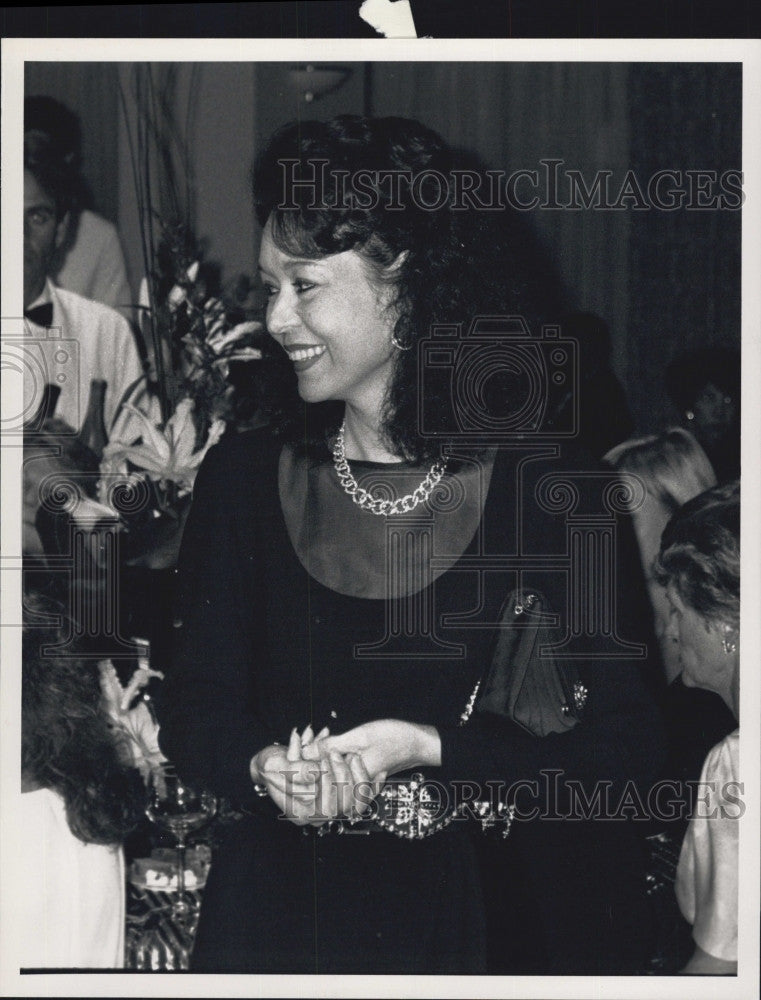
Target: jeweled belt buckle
(412, 808)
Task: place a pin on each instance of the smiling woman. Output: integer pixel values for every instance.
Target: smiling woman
(334, 323)
(388, 253)
(348, 566)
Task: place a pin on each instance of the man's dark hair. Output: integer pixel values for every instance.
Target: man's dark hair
(44, 159)
(47, 115)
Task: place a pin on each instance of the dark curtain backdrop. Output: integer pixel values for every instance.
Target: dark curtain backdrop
(684, 267)
(664, 281)
(516, 115)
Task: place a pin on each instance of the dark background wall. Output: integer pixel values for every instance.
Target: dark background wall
(662, 280)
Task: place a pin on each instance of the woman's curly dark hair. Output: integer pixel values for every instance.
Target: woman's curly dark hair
(67, 743)
(700, 554)
(452, 262)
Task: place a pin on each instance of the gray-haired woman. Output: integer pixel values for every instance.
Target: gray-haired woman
(699, 563)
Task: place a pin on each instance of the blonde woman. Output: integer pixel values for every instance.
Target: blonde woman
(673, 469)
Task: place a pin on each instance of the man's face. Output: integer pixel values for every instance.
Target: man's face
(43, 233)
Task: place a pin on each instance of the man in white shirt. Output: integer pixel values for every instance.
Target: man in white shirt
(74, 339)
(89, 259)
(69, 341)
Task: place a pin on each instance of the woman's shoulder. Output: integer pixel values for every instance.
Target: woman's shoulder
(237, 472)
(569, 453)
(723, 759)
(45, 806)
(242, 453)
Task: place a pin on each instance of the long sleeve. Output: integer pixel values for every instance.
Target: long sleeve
(213, 729)
(604, 753)
(109, 280)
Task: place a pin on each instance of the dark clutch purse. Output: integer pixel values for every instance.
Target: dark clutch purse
(525, 681)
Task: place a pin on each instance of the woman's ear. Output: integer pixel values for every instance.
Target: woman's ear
(389, 276)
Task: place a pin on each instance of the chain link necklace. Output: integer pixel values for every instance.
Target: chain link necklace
(366, 500)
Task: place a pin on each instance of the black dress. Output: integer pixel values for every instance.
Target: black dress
(265, 646)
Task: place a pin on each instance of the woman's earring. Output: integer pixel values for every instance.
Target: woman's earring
(729, 640)
(399, 346)
(689, 414)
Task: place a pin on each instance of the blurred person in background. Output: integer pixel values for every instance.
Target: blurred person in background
(699, 564)
(80, 799)
(89, 259)
(104, 348)
(673, 468)
(704, 385)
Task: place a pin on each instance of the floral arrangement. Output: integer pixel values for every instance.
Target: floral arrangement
(132, 720)
(195, 332)
(184, 405)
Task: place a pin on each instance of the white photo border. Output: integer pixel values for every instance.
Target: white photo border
(15, 52)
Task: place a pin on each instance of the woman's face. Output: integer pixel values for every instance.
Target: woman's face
(701, 649)
(333, 322)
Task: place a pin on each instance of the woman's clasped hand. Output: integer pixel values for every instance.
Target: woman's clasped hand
(312, 782)
(321, 777)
